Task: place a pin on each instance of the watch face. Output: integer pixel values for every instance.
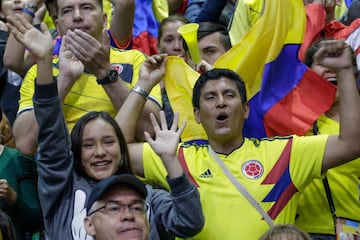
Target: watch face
(113, 75)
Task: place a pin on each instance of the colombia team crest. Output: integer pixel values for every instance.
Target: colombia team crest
(118, 67)
(252, 169)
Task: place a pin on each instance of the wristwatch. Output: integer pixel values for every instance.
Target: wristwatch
(111, 76)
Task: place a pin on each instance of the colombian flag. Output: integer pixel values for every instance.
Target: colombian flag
(285, 96)
(148, 15)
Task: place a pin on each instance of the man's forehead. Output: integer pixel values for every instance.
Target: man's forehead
(220, 80)
(212, 38)
(63, 3)
(218, 84)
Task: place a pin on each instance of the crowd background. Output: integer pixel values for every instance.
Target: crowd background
(270, 44)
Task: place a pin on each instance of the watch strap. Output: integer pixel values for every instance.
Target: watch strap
(111, 76)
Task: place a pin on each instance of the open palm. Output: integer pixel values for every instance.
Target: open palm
(166, 140)
(39, 43)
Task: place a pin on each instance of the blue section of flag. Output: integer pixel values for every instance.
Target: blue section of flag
(145, 20)
(279, 187)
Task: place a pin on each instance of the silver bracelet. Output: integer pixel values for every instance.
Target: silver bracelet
(140, 91)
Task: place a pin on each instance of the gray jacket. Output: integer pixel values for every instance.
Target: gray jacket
(63, 192)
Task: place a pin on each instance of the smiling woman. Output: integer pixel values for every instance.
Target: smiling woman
(99, 147)
(99, 151)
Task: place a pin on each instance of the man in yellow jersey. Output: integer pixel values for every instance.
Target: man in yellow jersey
(272, 171)
(105, 83)
(314, 215)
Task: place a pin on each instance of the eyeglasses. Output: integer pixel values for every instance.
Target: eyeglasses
(113, 208)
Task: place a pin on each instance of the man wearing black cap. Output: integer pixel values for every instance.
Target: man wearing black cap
(116, 209)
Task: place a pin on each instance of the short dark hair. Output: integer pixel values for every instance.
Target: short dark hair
(48, 2)
(78, 132)
(207, 28)
(216, 74)
(310, 52)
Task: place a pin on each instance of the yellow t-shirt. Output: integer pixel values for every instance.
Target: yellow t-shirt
(246, 13)
(86, 95)
(272, 170)
(314, 211)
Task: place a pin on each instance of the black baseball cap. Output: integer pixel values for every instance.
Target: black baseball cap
(125, 179)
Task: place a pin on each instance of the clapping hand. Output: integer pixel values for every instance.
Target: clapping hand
(94, 55)
(39, 43)
(70, 66)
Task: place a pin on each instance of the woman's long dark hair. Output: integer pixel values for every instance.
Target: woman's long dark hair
(76, 139)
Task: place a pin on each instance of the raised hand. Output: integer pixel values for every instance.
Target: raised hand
(165, 143)
(152, 71)
(39, 43)
(40, 13)
(203, 66)
(336, 55)
(166, 140)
